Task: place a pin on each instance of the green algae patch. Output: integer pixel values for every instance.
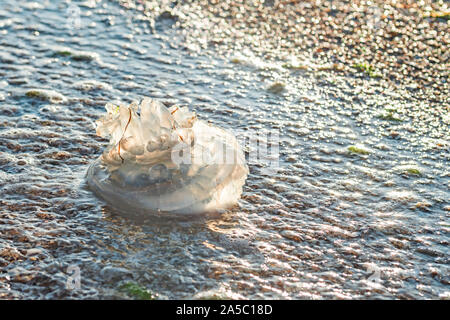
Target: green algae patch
(389, 116)
(409, 170)
(367, 69)
(295, 66)
(63, 53)
(46, 95)
(136, 291)
(439, 15)
(414, 171)
(358, 150)
(276, 88)
(34, 94)
(76, 55)
(87, 57)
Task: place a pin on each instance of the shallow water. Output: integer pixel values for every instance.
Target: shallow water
(333, 217)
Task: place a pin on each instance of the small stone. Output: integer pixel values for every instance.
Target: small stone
(394, 134)
(292, 235)
(84, 56)
(115, 273)
(34, 251)
(358, 150)
(48, 95)
(276, 88)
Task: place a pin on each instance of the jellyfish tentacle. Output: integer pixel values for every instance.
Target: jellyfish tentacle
(125, 130)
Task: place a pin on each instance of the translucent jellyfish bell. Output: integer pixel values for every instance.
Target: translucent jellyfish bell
(165, 160)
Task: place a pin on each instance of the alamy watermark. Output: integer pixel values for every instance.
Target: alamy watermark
(374, 18)
(374, 273)
(262, 149)
(73, 15)
(74, 279)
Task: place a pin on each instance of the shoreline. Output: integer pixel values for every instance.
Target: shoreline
(398, 43)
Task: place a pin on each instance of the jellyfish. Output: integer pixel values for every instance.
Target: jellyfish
(163, 160)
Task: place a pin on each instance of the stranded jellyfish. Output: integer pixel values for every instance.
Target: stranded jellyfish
(165, 160)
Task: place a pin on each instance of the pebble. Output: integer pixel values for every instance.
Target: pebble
(110, 273)
(48, 95)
